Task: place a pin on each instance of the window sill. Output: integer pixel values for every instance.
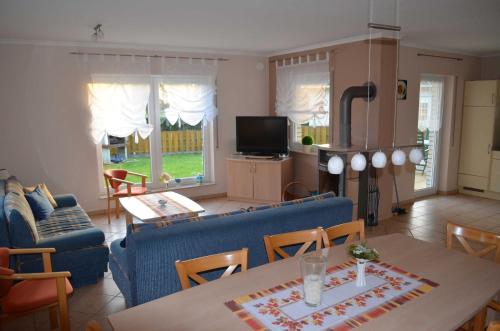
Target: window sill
(299, 149)
(103, 196)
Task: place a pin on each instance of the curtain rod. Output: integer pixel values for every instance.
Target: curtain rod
(441, 56)
(152, 56)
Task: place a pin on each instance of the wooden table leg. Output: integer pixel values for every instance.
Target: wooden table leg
(479, 320)
(128, 218)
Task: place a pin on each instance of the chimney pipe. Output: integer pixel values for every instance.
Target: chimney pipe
(368, 92)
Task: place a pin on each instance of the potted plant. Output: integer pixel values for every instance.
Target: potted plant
(307, 142)
(362, 254)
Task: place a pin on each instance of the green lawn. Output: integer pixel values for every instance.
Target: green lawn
(177, 165)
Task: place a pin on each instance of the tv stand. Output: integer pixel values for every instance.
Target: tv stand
(257, 179)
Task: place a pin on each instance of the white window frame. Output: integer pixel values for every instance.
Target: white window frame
(155, 148)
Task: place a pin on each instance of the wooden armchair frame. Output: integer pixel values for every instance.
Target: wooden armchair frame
(62, 300)
(275, 242)
(111, 195)
(189, 269)
(349, 229)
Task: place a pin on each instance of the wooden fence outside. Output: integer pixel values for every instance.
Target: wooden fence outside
(171, 142)
(319, 134)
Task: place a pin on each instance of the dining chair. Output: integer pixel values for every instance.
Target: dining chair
(114, 178)
(25, 293)
(275, 243)
(494, 326)
(190, 269)
(490, 243)
(349, 229)
(93, 326)
(465, 234)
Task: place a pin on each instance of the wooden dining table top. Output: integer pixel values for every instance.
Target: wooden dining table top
(466, 284)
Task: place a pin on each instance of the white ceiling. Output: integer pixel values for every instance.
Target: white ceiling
(252, 26)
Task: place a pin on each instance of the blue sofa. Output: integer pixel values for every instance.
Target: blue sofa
(80, 246)
(143, 264)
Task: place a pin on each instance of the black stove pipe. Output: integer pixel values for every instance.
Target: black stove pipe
(368, 92)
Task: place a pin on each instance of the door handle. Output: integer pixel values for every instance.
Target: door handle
(492, 98)
(489, 149)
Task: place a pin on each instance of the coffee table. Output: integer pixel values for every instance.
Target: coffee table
(147, 208)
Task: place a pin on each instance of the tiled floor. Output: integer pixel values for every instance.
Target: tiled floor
(424, 220)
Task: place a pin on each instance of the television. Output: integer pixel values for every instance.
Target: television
(262, 135)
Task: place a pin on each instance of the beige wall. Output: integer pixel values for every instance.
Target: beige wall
(490, 67)
(44, 121)
(410, 68)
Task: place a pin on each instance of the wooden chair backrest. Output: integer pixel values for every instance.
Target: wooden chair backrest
(93, 326)
(189, 269)
(494, 326)
(490, 240)
(349, 229)
(275, 242)
(114, 173)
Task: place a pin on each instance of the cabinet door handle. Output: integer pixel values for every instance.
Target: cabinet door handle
(492, 98)
(489, 148)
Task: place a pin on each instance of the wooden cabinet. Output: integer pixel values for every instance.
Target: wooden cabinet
(478, 169)
(495, 173)
(257, 180)
(481, 93)
(477, 139)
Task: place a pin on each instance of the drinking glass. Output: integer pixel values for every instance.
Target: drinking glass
(313, 268)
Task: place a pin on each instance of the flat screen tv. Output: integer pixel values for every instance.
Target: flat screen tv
(262, 135)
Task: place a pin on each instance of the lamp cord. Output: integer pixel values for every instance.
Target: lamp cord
(396, 78)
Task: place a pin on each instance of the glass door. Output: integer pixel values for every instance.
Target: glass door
(428, 132)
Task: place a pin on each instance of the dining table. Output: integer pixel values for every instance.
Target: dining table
(463, 286)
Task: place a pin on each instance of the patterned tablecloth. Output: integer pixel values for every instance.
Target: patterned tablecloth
(344, 305)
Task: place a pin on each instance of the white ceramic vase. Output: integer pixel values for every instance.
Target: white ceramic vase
(360, 274)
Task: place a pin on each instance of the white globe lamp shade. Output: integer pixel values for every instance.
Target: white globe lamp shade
(398, 157)
(335, 165)
(379, 160)
(416, 156)
(358, 162)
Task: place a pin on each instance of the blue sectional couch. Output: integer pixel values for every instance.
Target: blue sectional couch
(143, 264)
(80, 246)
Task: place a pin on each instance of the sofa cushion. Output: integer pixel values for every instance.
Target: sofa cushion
(13, 185)
(68, 228)
(65, 200)
(39, 204)
(45, 190)
(22, 225)
(4, 229)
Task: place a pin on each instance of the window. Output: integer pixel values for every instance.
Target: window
(303, 95)
(180, 143)
(318, 127)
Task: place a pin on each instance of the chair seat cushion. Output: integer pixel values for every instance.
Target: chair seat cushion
(134, 191)
(31, 294)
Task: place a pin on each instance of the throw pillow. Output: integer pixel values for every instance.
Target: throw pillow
(44, 190)
(39, 203)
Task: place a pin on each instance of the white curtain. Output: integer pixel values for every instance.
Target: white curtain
(118, 110)
(302, 92)
(190, 98)
(431, 103)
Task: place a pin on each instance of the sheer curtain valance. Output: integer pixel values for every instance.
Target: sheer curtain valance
(190, 98)
(118, 107)
(119, 88)
(302, 92)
